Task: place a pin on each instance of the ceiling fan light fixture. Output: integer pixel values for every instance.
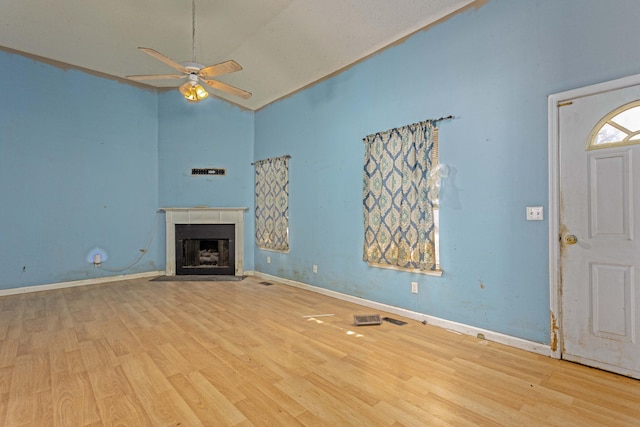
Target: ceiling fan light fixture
(191, 96)
(194, 92)
(200, 92)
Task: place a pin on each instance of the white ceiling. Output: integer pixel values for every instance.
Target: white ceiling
(282, 45)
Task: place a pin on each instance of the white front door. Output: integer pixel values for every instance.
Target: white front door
(600, 234)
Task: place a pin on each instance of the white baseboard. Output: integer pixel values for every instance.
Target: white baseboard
(498, 337)
(72, 284)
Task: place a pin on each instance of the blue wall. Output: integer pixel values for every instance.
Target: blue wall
(493, 69)
(211, 133)
(78, 170)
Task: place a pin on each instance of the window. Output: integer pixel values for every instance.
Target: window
(400, 198)
(620, 127)
(272, 203)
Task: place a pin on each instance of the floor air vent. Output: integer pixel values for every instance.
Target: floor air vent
(266, 283)
(394, 321)
(366, 319)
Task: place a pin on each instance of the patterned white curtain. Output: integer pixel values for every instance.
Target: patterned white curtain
(272, 203)
(397, 198)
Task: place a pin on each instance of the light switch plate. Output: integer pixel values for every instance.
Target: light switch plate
(535, 213)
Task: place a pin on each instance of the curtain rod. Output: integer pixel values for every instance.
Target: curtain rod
(286, 156)
(449, 117)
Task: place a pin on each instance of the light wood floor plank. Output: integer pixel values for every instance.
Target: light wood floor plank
(108, 381)
(145, 353)
(123, 410)
(8, 352)
(170, 361)
(21, 407)
(205, 400)
(73, 400)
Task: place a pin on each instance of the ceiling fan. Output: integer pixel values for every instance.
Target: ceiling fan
(192, 90)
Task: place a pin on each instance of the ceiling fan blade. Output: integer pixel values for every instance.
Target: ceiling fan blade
(228, 88)
(219, 69)
(160, 57)
(156, 76)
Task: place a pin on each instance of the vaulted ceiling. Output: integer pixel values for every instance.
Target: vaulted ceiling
(282, 45)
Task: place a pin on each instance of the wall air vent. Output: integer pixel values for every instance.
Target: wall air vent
(208, 171)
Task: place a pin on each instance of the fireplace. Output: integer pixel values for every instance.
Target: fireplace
(205, 249)
(212, 240)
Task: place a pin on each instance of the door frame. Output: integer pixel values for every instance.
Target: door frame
(555, 102)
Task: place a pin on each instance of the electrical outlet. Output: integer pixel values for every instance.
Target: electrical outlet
(268, 260)
(315, 268)
(535, 213)
(414, 287)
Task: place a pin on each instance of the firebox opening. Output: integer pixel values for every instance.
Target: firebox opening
(205, 249)
(199, 253)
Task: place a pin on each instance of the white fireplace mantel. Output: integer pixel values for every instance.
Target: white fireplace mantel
(204, 215)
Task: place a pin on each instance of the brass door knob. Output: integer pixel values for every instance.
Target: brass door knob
(570, 239)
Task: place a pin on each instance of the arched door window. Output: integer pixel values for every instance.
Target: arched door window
(619, 127)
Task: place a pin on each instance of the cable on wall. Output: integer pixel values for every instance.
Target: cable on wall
(142, 251)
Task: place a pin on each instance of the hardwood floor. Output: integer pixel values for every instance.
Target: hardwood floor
(138, 353)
